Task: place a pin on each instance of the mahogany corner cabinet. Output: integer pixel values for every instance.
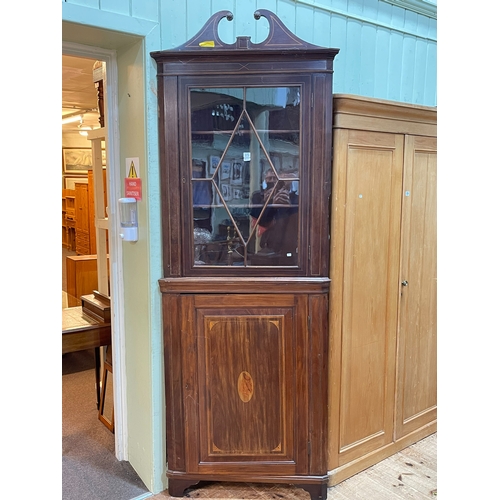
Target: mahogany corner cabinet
(246, 158)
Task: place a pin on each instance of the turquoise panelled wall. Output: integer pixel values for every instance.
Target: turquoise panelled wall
(386, 52)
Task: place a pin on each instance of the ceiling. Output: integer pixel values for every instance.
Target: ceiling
(78, 92)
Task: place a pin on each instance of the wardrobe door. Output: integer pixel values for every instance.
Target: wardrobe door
(417, 372)
(371, 195)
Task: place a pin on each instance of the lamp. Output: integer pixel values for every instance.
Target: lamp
(75, 116)
(71, 119)
(84, 130)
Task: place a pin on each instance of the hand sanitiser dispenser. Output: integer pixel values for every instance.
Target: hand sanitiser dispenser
(128, 219)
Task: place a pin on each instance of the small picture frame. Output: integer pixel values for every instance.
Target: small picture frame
(226, 192)
(77, 160)
(246, 173)
(198, 168)
(237, 173)
(237, 193)
(225, 170)
(213, 163)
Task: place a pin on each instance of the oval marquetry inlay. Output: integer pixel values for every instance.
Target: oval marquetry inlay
(245, 386)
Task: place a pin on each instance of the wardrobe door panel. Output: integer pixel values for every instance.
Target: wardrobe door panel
(417, 353)
(370, 291)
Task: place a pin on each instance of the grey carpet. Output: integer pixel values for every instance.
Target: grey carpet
(90, 470)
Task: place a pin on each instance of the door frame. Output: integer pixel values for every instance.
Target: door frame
(115, 248)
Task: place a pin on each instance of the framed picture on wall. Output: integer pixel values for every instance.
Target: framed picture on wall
(225, 170)
(237, 193)
(226, 192)
(213, 162)
(77, 160)
(69, 182)
(237, 173)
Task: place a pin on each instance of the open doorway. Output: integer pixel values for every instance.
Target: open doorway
(93, 454)
(85, 243)
(84, 185)
(135, 267)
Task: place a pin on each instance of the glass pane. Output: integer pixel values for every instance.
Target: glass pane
(276, 113)
(245, 176)
(285, 159)
(218, 243)
(214, 114)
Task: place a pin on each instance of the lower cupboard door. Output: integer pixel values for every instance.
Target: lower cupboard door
(252, 389)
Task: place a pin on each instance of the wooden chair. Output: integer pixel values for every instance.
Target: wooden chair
(109, 422)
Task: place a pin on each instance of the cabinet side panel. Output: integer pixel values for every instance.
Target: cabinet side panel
(417, 365)
(318, 311)
(169, 171)
(189, 391)
(370, 295)
(173, 383)
(335, 308)
(320, 175)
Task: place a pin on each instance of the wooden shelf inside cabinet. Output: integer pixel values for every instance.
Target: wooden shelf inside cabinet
(92, 210)
(83, 225)
(246, 177)
(68, 219)
(70, 204)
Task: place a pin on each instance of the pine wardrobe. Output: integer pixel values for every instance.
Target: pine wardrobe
(383, 317)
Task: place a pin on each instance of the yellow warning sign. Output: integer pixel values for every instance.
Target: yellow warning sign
(132, 174)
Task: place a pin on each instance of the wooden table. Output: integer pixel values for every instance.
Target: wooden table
(81, 332)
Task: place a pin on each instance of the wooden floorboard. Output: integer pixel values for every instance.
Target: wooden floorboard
(410, 474)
